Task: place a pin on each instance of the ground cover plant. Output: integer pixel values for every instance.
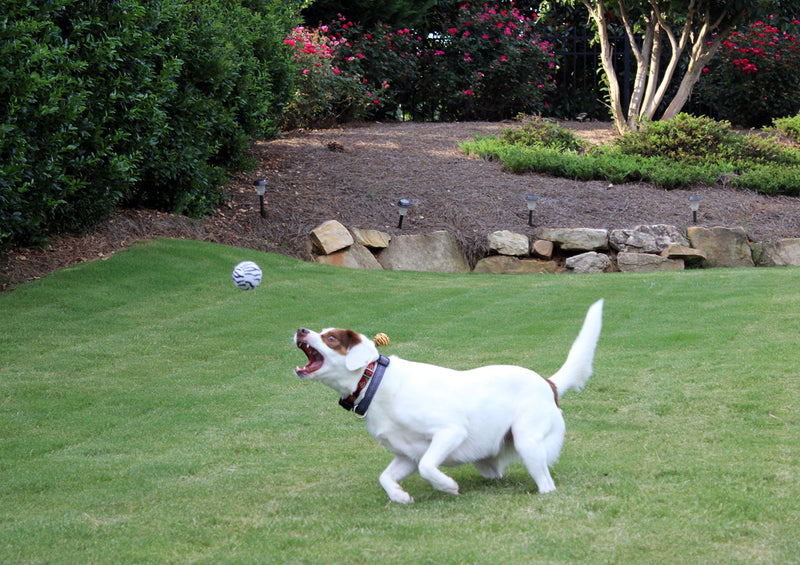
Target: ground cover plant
(148, 414)
(671, 154)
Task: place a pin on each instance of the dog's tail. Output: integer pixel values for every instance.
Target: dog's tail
(578, 367)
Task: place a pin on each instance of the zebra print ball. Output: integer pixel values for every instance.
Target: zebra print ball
(246, 275)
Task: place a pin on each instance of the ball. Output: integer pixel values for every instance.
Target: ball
(381, 339)
(247, 275)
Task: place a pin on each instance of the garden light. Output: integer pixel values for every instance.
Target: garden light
(261, 188)
(531, 200)
(403, 207)
(694, 206)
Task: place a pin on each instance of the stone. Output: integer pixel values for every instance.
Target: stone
(691, 257)
(628, 262)
(542, 248)
(646, 238)
(781, 253)
(355, 257)
(723, 247)
(590, 262)
(575, 239)
(507, 242)
(372, 239)
(438, 251)
(505, 265)
(330, 236)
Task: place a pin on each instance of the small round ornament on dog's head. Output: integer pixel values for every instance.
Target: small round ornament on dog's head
(246, 275)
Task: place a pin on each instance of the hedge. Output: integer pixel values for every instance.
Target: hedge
(131, 102)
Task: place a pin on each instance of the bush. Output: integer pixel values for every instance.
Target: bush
(478, 63)
(130, 102)
(789, 127)
(672, 154)
(754, 78)
(325, 94)
(538, 132)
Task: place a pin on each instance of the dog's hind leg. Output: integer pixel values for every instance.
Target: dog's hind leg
(443, 443)
(533, 447)
(400, 468)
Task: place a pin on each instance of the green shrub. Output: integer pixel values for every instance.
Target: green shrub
(789, 127)
(685, 138)
(130, 102)
(538, 132)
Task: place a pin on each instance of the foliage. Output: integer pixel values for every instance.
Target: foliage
(756, 76)
(789, 126)
(130, 102)
(145, 422)
(324, 93)
(539, 132)
(671, 154)
(371, 13)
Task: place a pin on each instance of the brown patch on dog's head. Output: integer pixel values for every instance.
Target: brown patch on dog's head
(341, 341)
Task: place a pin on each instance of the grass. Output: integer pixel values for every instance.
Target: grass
(148, 414)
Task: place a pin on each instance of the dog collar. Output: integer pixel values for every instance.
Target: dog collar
(370, 380)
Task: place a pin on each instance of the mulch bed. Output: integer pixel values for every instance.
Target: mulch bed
(357, 173)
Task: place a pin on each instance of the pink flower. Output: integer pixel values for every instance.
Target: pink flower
(468, 92)
(305, 71)
(289, 42)
(337, 72)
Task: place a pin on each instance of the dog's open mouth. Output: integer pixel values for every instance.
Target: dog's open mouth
(315, 360)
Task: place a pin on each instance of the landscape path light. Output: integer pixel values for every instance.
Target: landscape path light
(531, 200)
(261, 188)
(403, 207)
(694, 206)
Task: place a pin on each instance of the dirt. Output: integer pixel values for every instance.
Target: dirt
(357, 173)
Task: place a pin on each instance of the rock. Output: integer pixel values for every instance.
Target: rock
(781, 253)
(575, 239)
(355, 257)
(504, 265)
(330, 236)
(691, 257)
(542, 248)
(438, 251)
(372, 239)
(646, 239)
(723, 247)
(507, 242)
(590, 262)
(637, 262)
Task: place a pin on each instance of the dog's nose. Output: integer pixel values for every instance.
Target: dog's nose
(302, 332)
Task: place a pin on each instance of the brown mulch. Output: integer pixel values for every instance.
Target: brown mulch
(357, 173)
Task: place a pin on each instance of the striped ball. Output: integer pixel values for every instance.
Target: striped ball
(246, 275)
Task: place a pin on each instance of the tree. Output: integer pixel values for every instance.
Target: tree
(692, 30)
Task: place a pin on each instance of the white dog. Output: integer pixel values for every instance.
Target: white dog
(430, 416)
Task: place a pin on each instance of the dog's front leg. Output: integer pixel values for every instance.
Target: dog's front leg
(443, 443)
(400, 468)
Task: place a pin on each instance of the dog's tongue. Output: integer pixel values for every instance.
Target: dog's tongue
(315, 360)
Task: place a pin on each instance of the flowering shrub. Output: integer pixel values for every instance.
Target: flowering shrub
(755, 78)
(493, 65)
(325, 94)
(484, 62)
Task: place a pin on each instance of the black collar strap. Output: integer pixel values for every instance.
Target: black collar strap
(371, 379)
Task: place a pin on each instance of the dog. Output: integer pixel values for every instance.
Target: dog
(431, 416)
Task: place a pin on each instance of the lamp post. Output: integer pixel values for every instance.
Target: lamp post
(402, 206)
(261, 188)
(531, 200)
(694, 206)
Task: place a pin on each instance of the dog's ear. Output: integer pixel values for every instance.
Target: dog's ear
(361, 353)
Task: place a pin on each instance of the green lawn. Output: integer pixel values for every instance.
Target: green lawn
(149, 414)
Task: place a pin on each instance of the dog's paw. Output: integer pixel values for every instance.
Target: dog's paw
(401, 497)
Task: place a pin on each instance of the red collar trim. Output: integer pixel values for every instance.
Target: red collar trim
(350, 401)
